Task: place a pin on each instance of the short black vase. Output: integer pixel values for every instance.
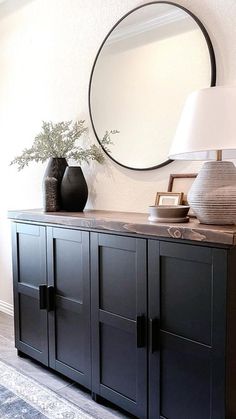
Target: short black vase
(52, 183)
(74, 190)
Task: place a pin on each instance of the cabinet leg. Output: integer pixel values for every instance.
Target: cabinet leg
(95, 397)
(21, 354)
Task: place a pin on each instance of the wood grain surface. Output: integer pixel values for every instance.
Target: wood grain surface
(130, 222)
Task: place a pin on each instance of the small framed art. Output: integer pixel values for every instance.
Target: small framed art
(181, 182)
(169, 198)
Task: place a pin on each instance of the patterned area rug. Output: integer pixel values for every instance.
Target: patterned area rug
(23, 398)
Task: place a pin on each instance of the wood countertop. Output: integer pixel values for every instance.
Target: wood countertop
(130, 222)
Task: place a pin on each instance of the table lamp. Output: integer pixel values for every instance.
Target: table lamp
(207, 131)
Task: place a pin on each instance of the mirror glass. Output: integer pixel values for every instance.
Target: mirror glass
(146, 67)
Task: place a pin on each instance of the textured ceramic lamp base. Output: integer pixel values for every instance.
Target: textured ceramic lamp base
(213, 194)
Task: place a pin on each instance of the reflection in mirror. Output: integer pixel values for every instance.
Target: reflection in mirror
(145, 69)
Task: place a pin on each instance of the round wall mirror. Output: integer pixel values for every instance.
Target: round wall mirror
(148, 64)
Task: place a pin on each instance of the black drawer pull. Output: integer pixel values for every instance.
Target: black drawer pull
(50, 298)
(140, 325)
(42, 297)
(154, 333)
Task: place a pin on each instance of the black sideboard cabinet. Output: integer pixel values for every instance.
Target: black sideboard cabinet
(146, 323)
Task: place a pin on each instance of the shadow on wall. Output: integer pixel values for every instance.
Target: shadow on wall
(11, 6)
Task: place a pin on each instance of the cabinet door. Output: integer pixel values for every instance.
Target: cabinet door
(29, 275)
(69, 303)
(187, 294)
(119, 354)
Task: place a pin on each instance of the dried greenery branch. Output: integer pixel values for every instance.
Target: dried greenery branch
(60, 140)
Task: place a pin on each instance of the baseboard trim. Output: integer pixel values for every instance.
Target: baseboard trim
(6, 308)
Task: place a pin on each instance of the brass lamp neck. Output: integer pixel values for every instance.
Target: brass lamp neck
(218, 155)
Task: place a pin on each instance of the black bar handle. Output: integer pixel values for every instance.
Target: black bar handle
(154, 333)
(42, 297)
(50, 298)
(141, 335)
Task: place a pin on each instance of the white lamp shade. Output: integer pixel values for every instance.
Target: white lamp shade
(207, 124)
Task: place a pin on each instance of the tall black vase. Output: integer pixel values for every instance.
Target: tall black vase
(52, 183)
(74, 190)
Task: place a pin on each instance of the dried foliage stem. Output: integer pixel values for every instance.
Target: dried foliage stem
(60, 140)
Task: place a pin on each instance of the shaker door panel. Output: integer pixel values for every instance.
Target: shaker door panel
(187, 291)
(186, 302)
(123, 277)
(118, 366)
(69, 319)
(185, 379)
(119, 304)
(29, 273)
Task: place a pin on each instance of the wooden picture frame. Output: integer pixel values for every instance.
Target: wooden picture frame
(169, 198)
(181, 182)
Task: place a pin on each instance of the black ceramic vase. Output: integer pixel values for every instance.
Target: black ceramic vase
(52, 183)
(74, 190)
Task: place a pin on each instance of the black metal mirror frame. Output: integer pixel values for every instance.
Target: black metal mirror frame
(213, 71)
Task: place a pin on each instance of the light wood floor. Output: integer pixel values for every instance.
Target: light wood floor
(55, 382)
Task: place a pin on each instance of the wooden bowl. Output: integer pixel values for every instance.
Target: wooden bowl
(172, 213)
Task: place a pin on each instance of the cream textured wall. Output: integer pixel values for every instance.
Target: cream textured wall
(47, 48)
